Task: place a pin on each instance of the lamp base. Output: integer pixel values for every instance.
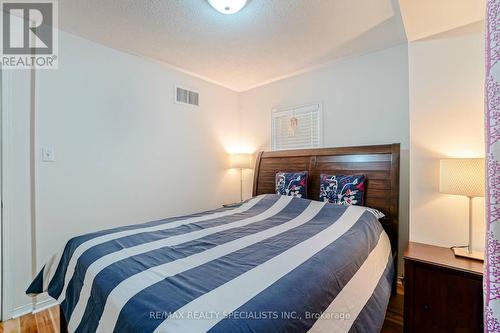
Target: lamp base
(464, 252)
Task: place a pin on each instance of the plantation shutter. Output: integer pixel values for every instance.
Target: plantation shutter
(297, 127)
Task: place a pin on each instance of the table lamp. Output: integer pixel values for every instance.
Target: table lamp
(241, 161)
(463, 176)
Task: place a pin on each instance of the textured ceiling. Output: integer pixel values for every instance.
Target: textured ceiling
(268, 39)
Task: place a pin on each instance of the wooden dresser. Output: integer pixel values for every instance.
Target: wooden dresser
(442, 293)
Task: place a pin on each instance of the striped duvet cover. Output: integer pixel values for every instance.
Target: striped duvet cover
(272, 264)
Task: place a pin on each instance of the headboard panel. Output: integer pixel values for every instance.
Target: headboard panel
(380, 165)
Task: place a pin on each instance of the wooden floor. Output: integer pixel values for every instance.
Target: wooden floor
(394, 316)
(47, 321)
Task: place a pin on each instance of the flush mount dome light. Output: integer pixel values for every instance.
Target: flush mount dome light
(228, 6)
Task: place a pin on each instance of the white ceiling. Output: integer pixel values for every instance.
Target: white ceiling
(267, 40)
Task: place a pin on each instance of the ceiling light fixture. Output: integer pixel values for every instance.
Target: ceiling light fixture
(228, 6)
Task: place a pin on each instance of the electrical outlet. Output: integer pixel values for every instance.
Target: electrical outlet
(48, 154)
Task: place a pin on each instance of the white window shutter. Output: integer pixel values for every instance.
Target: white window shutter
(297, 127)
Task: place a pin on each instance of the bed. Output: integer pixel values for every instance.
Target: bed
(271, 264)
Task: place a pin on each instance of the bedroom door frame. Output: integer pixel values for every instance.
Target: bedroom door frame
(11, 149)
(6, 129)
(5, 97)
(18, 192)
(14, 91)
(2, 189)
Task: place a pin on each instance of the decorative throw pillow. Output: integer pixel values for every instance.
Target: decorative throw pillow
(292, 183)
(342, 190)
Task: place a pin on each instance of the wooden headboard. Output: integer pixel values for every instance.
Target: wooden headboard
(380, 165)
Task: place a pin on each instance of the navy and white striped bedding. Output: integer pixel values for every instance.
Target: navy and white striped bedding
(273, 264)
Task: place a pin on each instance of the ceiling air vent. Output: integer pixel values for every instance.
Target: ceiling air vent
(185, 96)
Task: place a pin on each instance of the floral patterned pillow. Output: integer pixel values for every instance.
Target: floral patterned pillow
(342, 190)
(292, 183)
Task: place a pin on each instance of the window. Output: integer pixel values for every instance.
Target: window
(297, 127)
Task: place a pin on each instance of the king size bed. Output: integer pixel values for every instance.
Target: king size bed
(271, 264)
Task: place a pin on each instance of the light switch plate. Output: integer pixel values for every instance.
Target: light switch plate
(48, 154)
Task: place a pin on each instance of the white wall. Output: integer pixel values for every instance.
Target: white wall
(125, 153)
(365, 101)
(446, 117)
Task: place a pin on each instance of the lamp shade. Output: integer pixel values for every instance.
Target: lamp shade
(241, 161)
(462, 176)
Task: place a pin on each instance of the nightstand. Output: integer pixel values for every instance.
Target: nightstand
(442, 293)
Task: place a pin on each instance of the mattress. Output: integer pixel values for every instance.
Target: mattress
(272, 264)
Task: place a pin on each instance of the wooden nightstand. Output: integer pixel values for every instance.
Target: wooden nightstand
(442, 293)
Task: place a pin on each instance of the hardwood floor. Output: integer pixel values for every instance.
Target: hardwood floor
(394, 316)
(47, 321)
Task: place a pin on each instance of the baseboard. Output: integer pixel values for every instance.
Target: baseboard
(44, 304)
(33, 308)
(21, 311)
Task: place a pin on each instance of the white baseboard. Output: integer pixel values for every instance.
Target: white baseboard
(44, 304)
(21, 311)
(33, 308)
